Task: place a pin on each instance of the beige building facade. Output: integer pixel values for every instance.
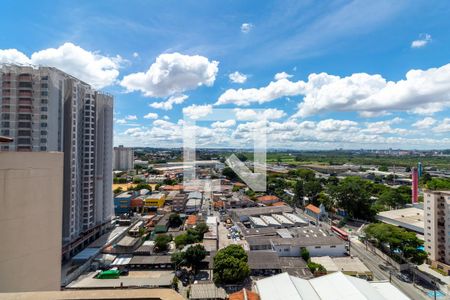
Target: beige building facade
(437, 228)
(31, 191)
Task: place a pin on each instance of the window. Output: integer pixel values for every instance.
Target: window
(44, 93)
(44, 108)
(5, 116)
(44, 85)
(43, 117)
(44, 101)
(44, 77)
(24, 117)
(317, 247)
(43, 124)
(43, 148)
(25, 84)
(43, 132)
(333, 246)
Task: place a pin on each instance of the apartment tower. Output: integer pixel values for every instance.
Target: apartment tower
(123, 158)
(437, 228)
(45, 109)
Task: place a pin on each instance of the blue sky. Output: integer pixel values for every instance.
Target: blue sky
(311, 74)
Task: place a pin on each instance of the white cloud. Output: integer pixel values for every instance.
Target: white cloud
(250, 114)
(246, 27)
(151, 116)
(168, 104)
(282, 75)
(275, 89)
(422, 91)
(135, 54)
(237, 77)
(91, 67)
(331, 125)
(425, 123)
(197, 111)
(172, 73)
(121, 121)
(131, 117)
(444, 126)
(384, 127)
(224, 124)
(423, 40)
(166, 118)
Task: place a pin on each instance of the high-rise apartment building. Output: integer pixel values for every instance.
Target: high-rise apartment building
(45, 109)
(123, 158)
(437, 228)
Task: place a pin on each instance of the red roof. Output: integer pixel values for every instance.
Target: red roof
(279, 203)
(239, 184)
(268, 198)
(313, 208)
(244, 294)
(191, 220)
(219, 204)
(177, 187)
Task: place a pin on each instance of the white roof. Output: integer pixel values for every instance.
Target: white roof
(283, 286)
(270, 220)
(336, 286)
(211, 220)
(294, 218)
(257, 221)
(282, 219)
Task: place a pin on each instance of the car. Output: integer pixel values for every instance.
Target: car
(403, 277)
(383, 267)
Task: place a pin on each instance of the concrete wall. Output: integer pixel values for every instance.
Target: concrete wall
(31, 186)
(337, 251)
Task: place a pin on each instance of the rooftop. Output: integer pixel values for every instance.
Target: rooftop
(244, 294)
(313, 208)
(410, 218)
(334, 286)
(255, 211)
(207, 291)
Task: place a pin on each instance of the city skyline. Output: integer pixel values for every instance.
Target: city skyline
(342, 74)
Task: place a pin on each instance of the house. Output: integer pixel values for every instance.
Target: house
(163, 224)
(191, 221)
(268, 199)
(315, 212)
(244, 294)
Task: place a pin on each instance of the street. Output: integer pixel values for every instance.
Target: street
(372, 261)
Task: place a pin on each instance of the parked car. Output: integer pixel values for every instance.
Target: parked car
(405, 278)
(383, 267)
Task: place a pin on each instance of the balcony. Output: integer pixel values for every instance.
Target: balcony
(25, 110)
(25, 77)
(25, 94)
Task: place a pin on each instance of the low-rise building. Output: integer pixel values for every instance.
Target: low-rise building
(327, 287)
(162, 225)
(243, 214)
(154, 201)
(122, 202)
(348, 265)
(410, 218)
(268, 199)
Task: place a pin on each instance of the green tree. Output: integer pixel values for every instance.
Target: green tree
(352, 194)
(312, 188)
(118, 190)
(162, 241)
(177, 259)
(392, 198)
(299, 193)
(230, 265)
(141, 186)
(181, 240)
(230, 174)
(399, 243)
(175, 220)
(194, 256)
(383, 168)
(326, 200)
(304, 253)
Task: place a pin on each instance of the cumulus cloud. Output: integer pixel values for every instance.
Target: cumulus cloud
(131, 117)
(444, 126)
(135, 54)
(250, 114)
(166, 118)
(91, 67)
(172, 73)
(246, 27)
(121, 121)
(197, 111)
(425, 123)
(168, 104)
(384, 127)
(224, 124)
(423, 40)
(237, 77)
(151, 116)
(282, 75)
(422, 91)
(275, 89)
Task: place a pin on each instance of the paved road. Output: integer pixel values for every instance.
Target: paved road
(372, 261)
